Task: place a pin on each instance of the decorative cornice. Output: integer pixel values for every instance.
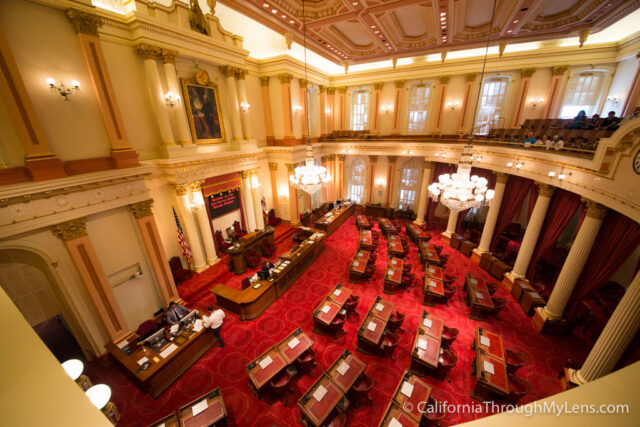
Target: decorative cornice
(331, 157)
(399, 84)
(142, 209)
(273, 166)
(84, 23)
(70, 230)
(444, 80)
(378, 85)
(342, 89)
(527, 72)
(502, 177)
(179, 189)
(285, 78)
(594, 210)
(331, 90)
(228, 71)
(559, 70)
(470, 77)
(264, 81)
(373, 158)
(545, 190)
(168, 56)
(148, 51)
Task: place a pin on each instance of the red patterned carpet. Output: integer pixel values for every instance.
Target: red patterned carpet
(224, 367)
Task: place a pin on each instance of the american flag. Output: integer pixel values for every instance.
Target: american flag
(186, 251)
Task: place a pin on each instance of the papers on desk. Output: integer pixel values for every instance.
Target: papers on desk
(356, 263)
(122, 344)
(167, 351)
(142, 361)
(432, 283)
(485, 341)
(394, 423)
(407, 389)
(488, 367)
(379, 307)
(257, 285)
(474, 281)
(432, 270)
(325, 309)
(197, 325)
(430, 253)
(337, 292)
(394, 262)
(343, 368)
(161, 425)
(427, 323)
(390, 273)
(479, 295)
(265, 362)
(422, 344)
(319, 393)
(372, 326)
(253, 278)
(174, 328)
(293, 343)
(199, 407)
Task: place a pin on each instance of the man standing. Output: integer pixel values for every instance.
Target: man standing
(214, 321)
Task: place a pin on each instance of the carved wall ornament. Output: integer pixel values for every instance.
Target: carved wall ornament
(304, 83)
(373, 158)
(399, 84)
(322, 89)
(142, 209)
(245, 174)
(168, 56)
(290, 167)
(228, 71)
(378, 85)
(288, 38)
(202, 77)
(148, 51)
(196, 185)
(392, 159)
(197, 20)
(444, 79)
(342, 89)
(527, 72)
(559, 70)
(240, 74)
(331, 90)
(501, 47)
(470, 77)
(84, 23)
(179, 189)
(340, 157)
(70, 230)
(427, 164)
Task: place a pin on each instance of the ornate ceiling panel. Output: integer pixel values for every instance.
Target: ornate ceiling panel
(356, 31)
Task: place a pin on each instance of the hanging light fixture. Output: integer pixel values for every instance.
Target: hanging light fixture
(461, 190)
(309, 178)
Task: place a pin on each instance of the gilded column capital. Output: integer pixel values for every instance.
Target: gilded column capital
(264, 81)
(304, 83)
(70, 230)
(179, 189)
(290, 167)
(84, 23)
(253, 172)
(168, 56)
(142, 209)
(392, 159)
(340, 157)
(427, 164)
(273, 166)
(342, 89)
(502, 177)
(399, 84)
(527, 72)
(228, 71)
(148, 51)
(240, 73)
(470, 77)
(373, 158)
(322, 88)
(196, 185)
(331, 90)
(545, 190)
(594, 210)
(444, 79)
(559, 70)
(245, 174)
(378, 85)
(331, 157)
(285, 78)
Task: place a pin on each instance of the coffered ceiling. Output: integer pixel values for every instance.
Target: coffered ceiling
(355, 31)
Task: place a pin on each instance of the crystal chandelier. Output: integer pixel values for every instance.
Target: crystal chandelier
(461, 190)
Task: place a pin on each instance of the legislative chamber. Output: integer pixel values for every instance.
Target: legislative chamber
(320, 212)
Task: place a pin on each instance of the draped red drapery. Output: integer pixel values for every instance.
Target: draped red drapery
(515, 191)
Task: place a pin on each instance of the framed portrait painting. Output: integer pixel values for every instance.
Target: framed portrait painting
(203, 111)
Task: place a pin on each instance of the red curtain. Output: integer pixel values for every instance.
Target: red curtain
(439, 169)
(533, 198)
(619, 236)
(515, 191)
(491, 183)
(562, 207)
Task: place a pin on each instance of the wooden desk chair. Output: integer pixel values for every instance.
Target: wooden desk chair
(518, 387)
(373, 256)
(221, 243)
(493, 287)
(351, 305)
(238, 229)
(449, 279)
(406, 267)
(307, 361)
(281, 385)
(395, 322)
(388, 343)
(245, 283)
(369, 271)
(446, 362)
(438, 249)
(449, 335)
(268, 249)
(433, 413)
(443, 260)
(337, 324)
(449, 292)
(407, 280)
(252, 258)
(147, 328)
(360, 389)
(515, 360)
(498, 304)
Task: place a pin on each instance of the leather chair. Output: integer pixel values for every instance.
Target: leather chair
(252, 258)
(517, 388)
(281, 385)
(395, 321)
(406, 268)
(268, 249)
(147, 328)
(337, 324)
(439, 249)
(179, 274)
(449, 335)
(407, 280)
(245, 283)
(493, 287)
(515, 360)
(369, 271)
(446, 362)
(307, 361)
(498, 304)
(337, 418)
(272, 219)
(221, 243)
(351, 304)
(238, 229)
(448, 294)
(449, 279)
(373, 256)
(433, 415)
(360, 390)
(443, 260)
(388, 343)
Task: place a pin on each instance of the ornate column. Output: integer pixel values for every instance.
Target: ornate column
(492, 215)
(86, 26)
(469, 78)
(273, 168)
(340, 176)
(451, 225)
(287, 111)
(325, 188)
(634, 93)
(372, 179)
(75, 238)
(257, 199)
(323, 111)
(532, 232)
(552, 105)
(189, 227)
(331, 109)
(526, 74)
(397, 105)
(155, 251)
(183, 133)
(206, 235)
(266, 103)
(340, 119)
(245, 110)
(575, 261)
(390, 174)
(293, 199)
(149, 55)
(423, 197)
(444, 83)
(305, 107)
(41, 162)
(236, 122)
(614, 338)
(377, 94)
(247, 197)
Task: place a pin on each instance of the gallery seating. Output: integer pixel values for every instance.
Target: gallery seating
(179, 274)
(515, 360)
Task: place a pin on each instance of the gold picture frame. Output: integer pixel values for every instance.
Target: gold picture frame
(202, 103)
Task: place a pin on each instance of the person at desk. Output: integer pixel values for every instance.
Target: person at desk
(175, 312)
(265, 271)
(214, 321)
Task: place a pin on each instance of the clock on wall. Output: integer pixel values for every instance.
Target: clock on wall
(636, 162)
(202, 77)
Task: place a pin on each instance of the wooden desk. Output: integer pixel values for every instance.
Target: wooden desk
(530, 300)
(340, 294)
(369, 340)
(486, 382)
(416, 233)
(420, 393)
(395, 246)
(386, 226)
(480, 302)
(324, 314)
(382, 311)
(476, 281)
(259, 376)
(163, 372)
(314, 411)
(215, 410)
(358, 265)
(251, 241)
(431, 325)
(363, 223)
(395, 413)
(393, 274)
(332, 220)
(434, 271)
(428, 253)
(249, 303)
(376, 211)
(346, 381)
(433, 290)
(170, 420)
(289, 353)
(429, 356)
(495, 348)
(366, 240)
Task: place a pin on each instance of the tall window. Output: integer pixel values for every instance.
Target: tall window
(356, 181)
(583, 94)
(491, 108)
(408, 185)
(359, 109)
(418, 100)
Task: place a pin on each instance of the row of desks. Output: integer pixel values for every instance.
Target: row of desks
(206, 410)
(412, 393)
(395, 246)
(433, 284)
(427, 252)
(363, 223)
(329, 308)
(489, 365)
(386, 226)
(373, 325)
(416, 233)
(366, 240)
(393, 274)
(358, 265)
(426, 346)
(478, 297)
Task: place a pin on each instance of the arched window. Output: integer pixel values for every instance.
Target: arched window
(491, 105)
(583, 93)
(356, 180)
(418, 101)
(408, 189)
(359, 109)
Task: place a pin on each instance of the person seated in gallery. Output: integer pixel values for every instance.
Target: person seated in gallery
(544, 141)
(579, 121)
(530, 139)
(175, 312)
(558, 143)
(593, 122)
(611, 122)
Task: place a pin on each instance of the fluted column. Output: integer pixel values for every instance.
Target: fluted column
(614, 338)
(323, 111)
(575, 261)
(331, 110)
(305, 107)
(444, 83)
(148, 229)
(245, 108)
(390, 175)
(236, 122)
(249, 209)
(266, 104)
(372, 179)
(634, 93)
(423, 197)
(257, 199)
(397, 105)
(325, 188)
(273, 168)
(75, 238)
(189, 227)
(203, 221)
(340, 158)
(341, 106)
(492, 215)
(532, 232)
(377, 95)
(287, 111)
(554, 96)
(149, 55)
(177, 112)
(526, 74)
(469, 78)
(293, 199)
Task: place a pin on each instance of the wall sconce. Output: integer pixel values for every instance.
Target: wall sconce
(535, 102)
(387, 109)
(62, 89)
(244, 107)
(613, 100)
(518, 164)
(560, 175)
(297, 109)
(171, 99)
(453, 105)
(476, 158)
